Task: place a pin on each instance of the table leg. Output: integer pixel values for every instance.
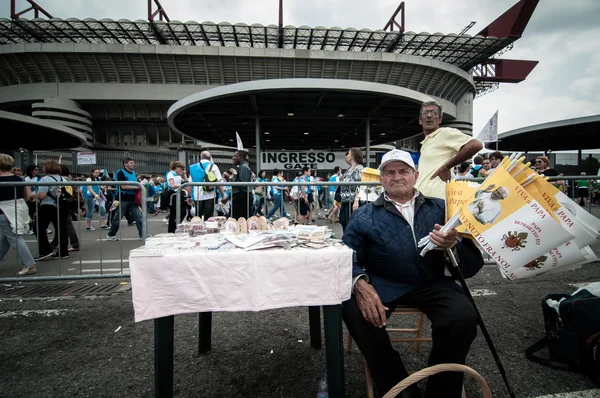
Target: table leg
(204, 332)
(314, 324)
(163, 356)
(334, 350)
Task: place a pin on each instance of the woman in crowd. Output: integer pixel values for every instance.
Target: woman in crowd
(260, 194)
(93, 195)
(49, 213)
(13, 219)
(349, 193)
(175, 178)
(542, 166)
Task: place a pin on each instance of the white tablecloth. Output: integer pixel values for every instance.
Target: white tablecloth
(239, 281)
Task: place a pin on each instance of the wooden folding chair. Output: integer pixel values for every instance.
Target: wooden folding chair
(415, 338)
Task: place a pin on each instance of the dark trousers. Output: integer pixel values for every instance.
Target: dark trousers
(49, 214)
(241, 205)
(173, 213)
(454, 327)
(205, 208)
(71, 233)
(126, 206)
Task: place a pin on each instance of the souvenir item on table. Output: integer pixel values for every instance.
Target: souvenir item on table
(197, 220)
(311, 232)
(212, 227)
(312, 235)
(262, 223)
(242, 226)
(230, 226)
(282, 224)
(197, 229)
(270, 227)
(219, 219)
(253, 223)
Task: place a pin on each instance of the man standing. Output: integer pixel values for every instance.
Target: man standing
(441, 150)
(388, 271)
(241, 197)
(126, 200)
(204, 196)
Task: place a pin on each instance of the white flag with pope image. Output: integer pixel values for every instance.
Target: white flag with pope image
(508, 224)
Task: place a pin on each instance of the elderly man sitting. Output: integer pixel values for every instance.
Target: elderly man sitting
(388, 271)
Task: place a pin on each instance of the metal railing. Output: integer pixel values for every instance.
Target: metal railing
(250, 185)
(80, 275)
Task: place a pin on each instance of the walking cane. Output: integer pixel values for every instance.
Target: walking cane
(486, 335)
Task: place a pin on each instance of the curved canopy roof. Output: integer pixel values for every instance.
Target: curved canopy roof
(569, 134)
(300, 113)
(21, 131)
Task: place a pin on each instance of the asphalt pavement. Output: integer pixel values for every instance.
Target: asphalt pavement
(90, 346)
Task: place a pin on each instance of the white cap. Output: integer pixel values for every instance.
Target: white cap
(397, 155)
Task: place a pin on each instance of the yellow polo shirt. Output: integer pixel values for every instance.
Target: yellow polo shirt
(436, 149)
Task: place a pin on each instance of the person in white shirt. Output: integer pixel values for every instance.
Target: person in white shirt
(175, 178)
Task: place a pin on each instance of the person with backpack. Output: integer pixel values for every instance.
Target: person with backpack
(204, 197)
(51, 212)
(73, 194)
(126, 197)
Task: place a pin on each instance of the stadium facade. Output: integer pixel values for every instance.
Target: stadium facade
(112, 83)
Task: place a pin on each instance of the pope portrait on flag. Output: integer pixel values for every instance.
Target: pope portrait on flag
(486, 207)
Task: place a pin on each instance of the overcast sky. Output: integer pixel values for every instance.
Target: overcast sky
(561, 35)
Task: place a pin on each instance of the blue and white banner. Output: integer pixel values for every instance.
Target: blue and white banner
(489, 132)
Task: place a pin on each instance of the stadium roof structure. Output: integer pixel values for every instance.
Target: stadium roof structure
(562, 135)
(463, 51)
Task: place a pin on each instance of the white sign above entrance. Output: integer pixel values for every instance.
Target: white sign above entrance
(86, 158)
(296, 160)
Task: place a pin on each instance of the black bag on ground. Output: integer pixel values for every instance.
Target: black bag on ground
(573, 338)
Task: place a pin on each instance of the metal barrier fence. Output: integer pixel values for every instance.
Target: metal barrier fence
(251, 185)
(66, 218)
(266, 185)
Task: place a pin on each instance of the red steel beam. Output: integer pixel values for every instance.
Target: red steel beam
(34, 7)
(504, 70)
(393, 22)
(160, 11)
(513, 22)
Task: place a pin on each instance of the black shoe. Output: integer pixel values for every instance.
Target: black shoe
(130, 224)
(60, 257)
